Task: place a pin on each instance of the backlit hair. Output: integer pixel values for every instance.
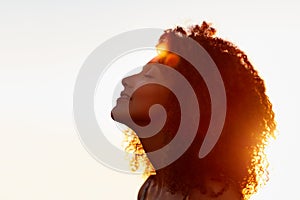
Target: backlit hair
(239, 155)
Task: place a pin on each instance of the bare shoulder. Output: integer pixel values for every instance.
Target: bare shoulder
(216, 191)
(151, 190)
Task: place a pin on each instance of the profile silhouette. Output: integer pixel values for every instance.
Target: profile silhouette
(236, 166)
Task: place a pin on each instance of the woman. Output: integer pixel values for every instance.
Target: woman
(236, 167)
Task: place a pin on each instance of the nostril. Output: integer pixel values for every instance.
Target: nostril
(125, 81)
(128, 81)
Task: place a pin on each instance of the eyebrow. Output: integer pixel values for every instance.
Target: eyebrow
(146, 66)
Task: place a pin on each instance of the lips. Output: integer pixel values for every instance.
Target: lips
(124, 95)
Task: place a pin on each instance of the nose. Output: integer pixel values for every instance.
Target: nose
(125, 81)
(128, 81)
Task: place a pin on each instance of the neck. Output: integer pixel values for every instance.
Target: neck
(176, 182)
(182, 175)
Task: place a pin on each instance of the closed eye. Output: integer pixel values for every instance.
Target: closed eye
(148, 76)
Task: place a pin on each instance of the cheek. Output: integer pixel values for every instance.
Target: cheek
(150, 94)
(144, 97)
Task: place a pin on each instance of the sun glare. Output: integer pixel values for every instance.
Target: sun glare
(161, 49)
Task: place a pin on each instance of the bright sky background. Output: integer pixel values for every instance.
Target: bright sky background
(42, 47)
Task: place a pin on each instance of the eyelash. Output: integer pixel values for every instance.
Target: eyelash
(148, 76)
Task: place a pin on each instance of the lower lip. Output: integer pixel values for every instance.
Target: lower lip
(123, 98)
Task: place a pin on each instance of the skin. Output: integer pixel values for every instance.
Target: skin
(147, 95)
(140, 99)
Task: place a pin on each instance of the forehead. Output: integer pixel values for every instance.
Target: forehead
(152, 62)
(151, 66)
(163, 60)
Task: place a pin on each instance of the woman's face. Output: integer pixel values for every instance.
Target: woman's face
(140, 96)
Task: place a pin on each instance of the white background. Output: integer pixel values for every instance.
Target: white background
(42, 47)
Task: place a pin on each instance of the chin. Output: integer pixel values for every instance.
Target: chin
(118, 115)
(115, 114)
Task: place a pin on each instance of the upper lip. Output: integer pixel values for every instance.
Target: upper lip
(123, 94)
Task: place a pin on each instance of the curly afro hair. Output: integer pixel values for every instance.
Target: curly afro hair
(239, 155)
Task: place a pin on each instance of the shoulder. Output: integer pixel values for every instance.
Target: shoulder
(144, 189)
(152, 190)
(216, 191)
